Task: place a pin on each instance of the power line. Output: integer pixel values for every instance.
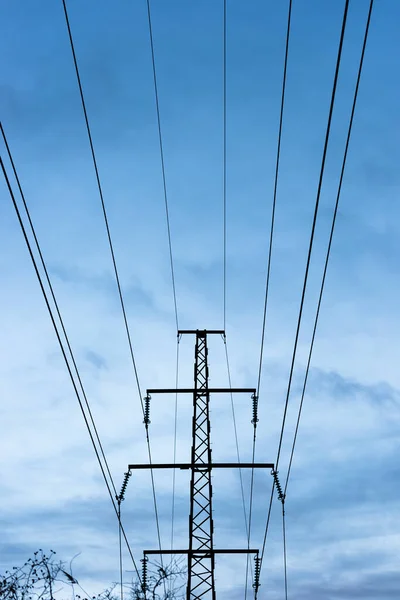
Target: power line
(160, 139)
(330, 237)
(155, 505)
(246, 524)
(321, 175)
(175, 439)
(55, 300)
(101, 196)
(224, 160)
(250, 510)
(112, 254)
(120, 554)
(277, 163)
(120, 498)
(267, 524)
(235, 433)
(332, 101)
(284, 549)
(224, 156)
(162, 161)
(65, 356)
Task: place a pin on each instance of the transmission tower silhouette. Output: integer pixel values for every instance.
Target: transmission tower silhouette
(201, 552)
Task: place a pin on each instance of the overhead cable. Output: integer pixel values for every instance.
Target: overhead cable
(330, 238)
(277, 164)
(233, 411)
(99, 186)
(160, 139)
(224, 157)
(327, 255)
(322, 170)
(284, 550)
(39, 250)
(314, 222)
(250, 512)
(65, 356)
(120, 498)
(178, 337)
(113, 258)
(271, 237)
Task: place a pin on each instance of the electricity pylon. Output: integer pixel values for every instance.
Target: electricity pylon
(201, 552)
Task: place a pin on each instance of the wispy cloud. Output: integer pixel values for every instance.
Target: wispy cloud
(342, 509)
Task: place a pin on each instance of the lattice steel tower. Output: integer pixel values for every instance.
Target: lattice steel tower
(201, 560)
(201, 552)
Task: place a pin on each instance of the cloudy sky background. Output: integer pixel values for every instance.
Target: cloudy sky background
(342, 504)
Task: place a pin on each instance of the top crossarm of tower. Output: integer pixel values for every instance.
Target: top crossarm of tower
(201, 331)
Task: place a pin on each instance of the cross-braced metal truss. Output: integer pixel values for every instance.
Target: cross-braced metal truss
(201, 552)
(201, 583)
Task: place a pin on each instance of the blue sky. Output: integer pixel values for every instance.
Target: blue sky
(342, 504)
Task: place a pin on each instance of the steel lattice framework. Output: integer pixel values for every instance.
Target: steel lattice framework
(201, 561)
(201, 552)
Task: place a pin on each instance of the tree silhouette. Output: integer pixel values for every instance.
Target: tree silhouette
(163, 582)
(44, 577)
